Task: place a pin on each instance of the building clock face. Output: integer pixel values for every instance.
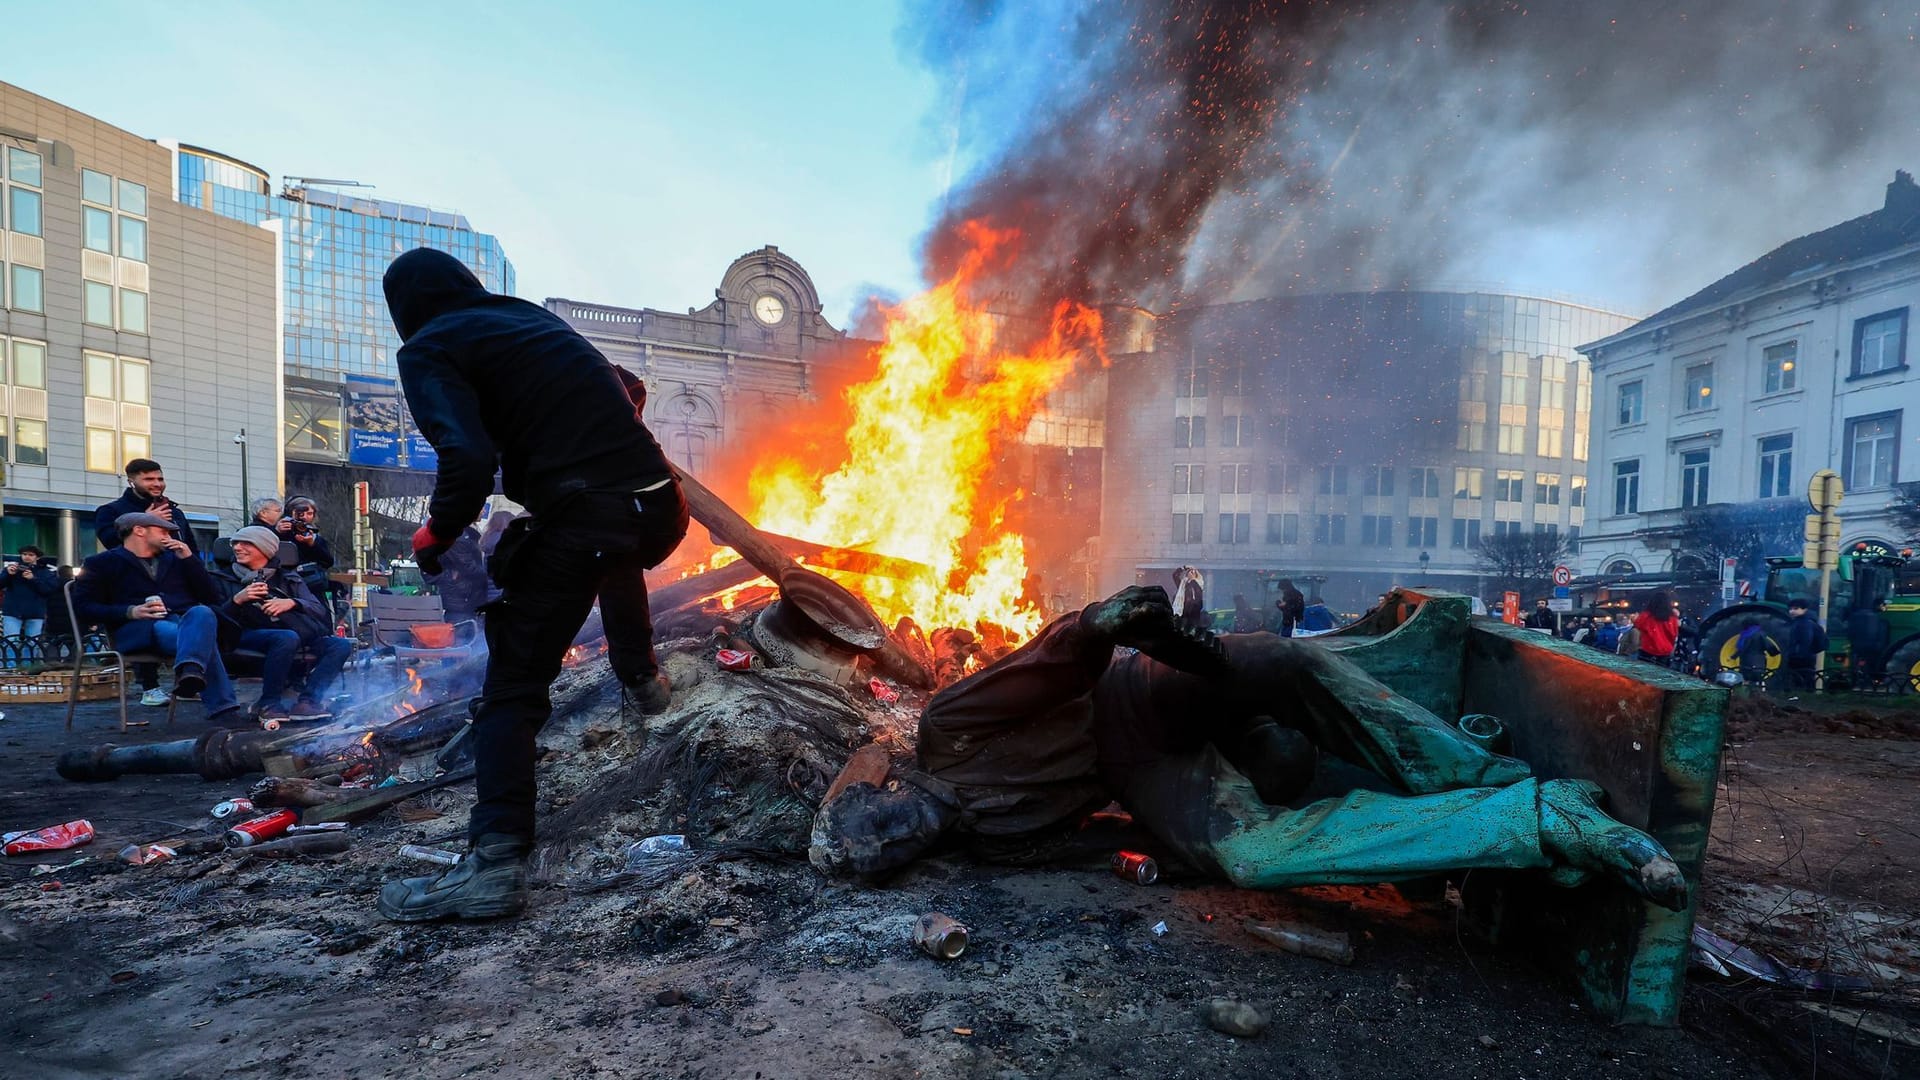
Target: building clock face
(769, 309)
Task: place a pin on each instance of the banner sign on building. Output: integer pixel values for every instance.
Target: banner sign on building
(373, 421)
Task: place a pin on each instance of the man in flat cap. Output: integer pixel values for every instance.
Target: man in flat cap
(153, 594)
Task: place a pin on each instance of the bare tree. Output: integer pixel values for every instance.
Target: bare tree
(1523, 562)
(1749, 533)
(1903, 510)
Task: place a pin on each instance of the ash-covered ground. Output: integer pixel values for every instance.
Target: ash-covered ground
(742, 961)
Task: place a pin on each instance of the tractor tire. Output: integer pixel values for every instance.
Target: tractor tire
(1903, 669)
(1717, 645)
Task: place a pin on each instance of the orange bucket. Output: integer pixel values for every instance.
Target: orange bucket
(433, 635)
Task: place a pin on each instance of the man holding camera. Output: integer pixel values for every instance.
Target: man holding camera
(497, 383)
(146, 494)
(23, 613)
(278, 616)
(152, 594)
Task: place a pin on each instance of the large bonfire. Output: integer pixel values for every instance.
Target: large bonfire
(925, 436)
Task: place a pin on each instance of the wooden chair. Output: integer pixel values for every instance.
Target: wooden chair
(394, 615)
(121, 659)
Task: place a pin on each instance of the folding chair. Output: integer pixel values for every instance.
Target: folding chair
(394, 615)
(81, 654)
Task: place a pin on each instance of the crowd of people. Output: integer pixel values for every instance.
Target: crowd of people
(260, 604)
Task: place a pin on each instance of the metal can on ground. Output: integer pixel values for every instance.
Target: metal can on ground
(232, 808)
(432, 855)
(1135, 867)
(939, 936)
(249, 833)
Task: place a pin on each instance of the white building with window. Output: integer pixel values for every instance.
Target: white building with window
(130, 326)
(1796, 362)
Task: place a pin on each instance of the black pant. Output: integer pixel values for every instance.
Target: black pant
(549, 572)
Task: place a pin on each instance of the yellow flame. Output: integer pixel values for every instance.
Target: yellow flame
(925, 432)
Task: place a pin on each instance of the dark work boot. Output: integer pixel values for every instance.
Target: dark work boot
(489, 883)
(651, 697)
(1141, 617)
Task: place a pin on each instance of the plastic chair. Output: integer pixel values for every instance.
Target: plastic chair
(81, 654)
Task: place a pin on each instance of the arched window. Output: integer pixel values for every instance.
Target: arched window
(1688, 564)
(688, 425)
(1621, 566)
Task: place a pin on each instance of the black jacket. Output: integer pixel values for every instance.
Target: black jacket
(1805, 640)
(115, 580)
(27, 596)
(497, 382)
(132, 502)
(1539, 620)
(1866, 632)
(309, 617)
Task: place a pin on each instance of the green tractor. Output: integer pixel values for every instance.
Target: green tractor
(1862, 578)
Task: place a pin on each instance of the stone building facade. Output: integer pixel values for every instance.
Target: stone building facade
(760, 346)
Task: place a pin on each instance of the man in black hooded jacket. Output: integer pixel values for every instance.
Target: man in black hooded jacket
(495, 382)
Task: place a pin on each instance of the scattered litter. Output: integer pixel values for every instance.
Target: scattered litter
(1135, 867)
(146, 854)
(884, 694)
(50, 868)
(432, 855)
(1488, 1042)
(1718, 955)
(232, 808)
(1160, 928)
(734, 660)
(1236, 1018)
(939, 936)
(1305, 940)
(51, 838)
(963, 1031)
(654, 846)
(266, 827)
(292, 847)
(324, 826)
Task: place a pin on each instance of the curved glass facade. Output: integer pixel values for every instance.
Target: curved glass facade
(337, 248)
(1343, 436)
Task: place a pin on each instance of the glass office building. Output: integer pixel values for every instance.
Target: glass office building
(342, 391)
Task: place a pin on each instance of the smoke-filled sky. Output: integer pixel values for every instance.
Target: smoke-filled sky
(1627, 152)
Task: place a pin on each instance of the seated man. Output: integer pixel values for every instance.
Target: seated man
(1021, 752)
(153, 595)
(278, 615)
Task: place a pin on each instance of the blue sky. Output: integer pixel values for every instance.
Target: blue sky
(623, 152)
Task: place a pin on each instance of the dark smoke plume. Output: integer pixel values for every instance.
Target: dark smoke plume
(1154, 150)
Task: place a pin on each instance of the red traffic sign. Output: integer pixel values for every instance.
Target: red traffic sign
(1563, 575)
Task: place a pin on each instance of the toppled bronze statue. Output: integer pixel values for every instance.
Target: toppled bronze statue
(1206, 742)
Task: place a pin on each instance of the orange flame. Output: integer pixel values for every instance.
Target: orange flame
(924, 434)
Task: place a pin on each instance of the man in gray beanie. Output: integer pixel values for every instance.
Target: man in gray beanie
(278, 616)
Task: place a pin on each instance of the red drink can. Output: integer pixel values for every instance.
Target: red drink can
(734, 660)
(1135, 867)
(249, 833)
(233, 808)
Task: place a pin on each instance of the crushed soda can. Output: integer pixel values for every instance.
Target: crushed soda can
(249, 833)
(1135, 867)
(52, 838)
(145, 854)
(939, 936)
(881, 692)
(734, 660)
(232, 808)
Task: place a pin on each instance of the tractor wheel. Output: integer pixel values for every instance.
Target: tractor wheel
(1903, 669)
(1719, 652)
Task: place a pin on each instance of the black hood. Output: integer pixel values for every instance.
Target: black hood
(424, 284)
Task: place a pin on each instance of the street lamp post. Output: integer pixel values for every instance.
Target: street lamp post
(1424, 560)
(246, 496)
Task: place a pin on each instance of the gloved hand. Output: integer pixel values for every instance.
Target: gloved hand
(427, 548)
